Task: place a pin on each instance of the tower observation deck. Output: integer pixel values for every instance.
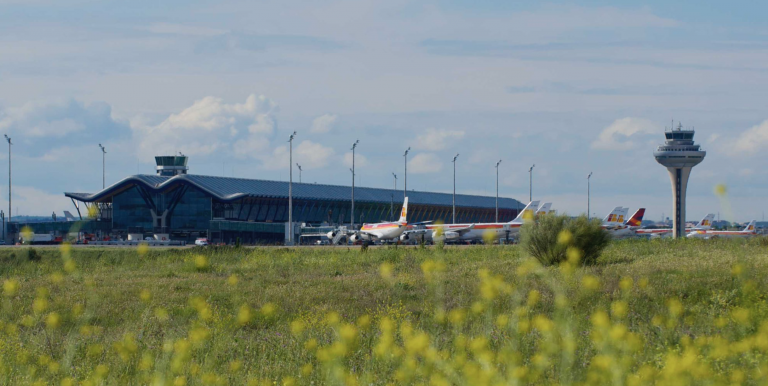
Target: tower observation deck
(679, 155)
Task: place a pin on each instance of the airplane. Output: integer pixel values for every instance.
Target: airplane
(378, 231)
(472, 232)
(615, 218)
(748, 231)
(704, 224)
(627, 229)
(544, 209)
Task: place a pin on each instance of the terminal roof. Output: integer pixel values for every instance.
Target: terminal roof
(230, 189)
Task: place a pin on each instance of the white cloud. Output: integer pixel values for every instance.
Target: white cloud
(44, 125)
(211, 125)
(308, 154)
(750, 141)
(323, 123)
(425, 163)
(618, 135)
(433, 139)
(360, 160)
(31, 201)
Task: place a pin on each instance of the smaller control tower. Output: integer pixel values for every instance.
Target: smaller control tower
(679, 155)
(171, 165)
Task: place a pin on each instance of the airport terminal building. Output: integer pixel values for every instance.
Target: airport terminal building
(185, 206)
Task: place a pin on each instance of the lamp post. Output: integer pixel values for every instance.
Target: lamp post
(392, 203)
(405, 175)
(290, 189)
(530, 183)
(299, 166)
(589, 177)
(7, 138)
(103, 166)
(354, 145)
(497, 190)
(454, 187)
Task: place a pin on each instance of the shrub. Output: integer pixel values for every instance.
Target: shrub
(32, 255)
(549, 238)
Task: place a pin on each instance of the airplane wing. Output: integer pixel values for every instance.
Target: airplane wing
(422, 223)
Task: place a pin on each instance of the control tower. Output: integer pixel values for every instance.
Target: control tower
(171, 165)
(679, 155)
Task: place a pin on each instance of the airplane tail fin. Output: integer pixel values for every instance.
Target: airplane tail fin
(750, 227)
(543, 209)
(614, 215)
(706, 222)
(527, 213)
(404, 212)
(636, 218)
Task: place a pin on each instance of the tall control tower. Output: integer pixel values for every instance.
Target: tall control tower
(679, 155)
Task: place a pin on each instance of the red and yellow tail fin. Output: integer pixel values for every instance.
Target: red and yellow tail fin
(404, 212)
(637, 219)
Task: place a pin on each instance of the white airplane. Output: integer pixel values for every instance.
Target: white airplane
(615, 219)
(748, 231)
(628, 228)
(545, 209)
(378, 231)
(704, 224)
(471, 232)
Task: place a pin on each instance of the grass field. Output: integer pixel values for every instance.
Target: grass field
(651, 312)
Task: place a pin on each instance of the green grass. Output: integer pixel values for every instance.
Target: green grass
(678, 312)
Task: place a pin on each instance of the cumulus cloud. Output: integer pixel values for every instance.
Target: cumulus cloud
(308, 154)
(619, 135)
(45, 125)
(750, 141)
(360, 160)
(323, 123)
(211, 125)
(433, 139)
(425, 163)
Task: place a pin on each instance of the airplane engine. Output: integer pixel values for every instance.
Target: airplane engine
(354, 238)
(452, 235)
(446, 236)
(331, 235)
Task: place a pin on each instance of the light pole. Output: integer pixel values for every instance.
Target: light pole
(290, 189)
(497, 190)
(530, 183)
(103, 166)
(299, 166)
(454, 187)
(589, 177)
(405, 175)
(392, 203)
(7, 138)
(354, 145)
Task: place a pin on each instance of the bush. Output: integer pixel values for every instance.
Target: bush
(549, 238)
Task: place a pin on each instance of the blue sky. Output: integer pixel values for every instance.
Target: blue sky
(572, 87)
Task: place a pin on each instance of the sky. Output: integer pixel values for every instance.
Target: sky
(572, 87)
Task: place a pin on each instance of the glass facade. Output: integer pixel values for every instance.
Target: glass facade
(193, 212)
(130, 210)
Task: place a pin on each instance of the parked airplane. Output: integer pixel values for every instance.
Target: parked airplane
(627, 229)
(378, 231)
(748, 231)
(545, 209)
(704, 224)
(615, 218)
(473, 232)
